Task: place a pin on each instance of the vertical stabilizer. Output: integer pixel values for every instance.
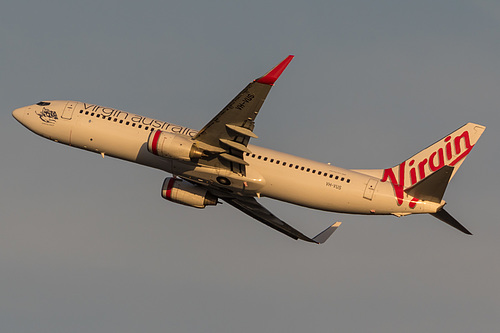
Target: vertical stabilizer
(426, 174)
(449, 151)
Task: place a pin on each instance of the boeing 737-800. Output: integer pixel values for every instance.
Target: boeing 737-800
(218, 163)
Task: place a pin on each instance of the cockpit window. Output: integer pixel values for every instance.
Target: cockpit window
(43, 103)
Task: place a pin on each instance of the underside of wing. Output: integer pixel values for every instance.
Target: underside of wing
(251, 207)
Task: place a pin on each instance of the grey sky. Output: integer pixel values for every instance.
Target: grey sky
(88, 244)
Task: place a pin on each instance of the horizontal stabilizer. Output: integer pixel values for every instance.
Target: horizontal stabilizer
(432, 187)
(447, 218)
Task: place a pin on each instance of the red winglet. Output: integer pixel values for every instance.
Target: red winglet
(271, 77)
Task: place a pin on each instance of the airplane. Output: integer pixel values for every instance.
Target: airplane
(218, 163)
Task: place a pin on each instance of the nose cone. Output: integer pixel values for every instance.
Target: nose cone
(18, 114)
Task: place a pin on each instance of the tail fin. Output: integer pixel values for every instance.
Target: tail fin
(450, 151)
(425, 175)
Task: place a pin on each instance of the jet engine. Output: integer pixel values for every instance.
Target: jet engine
(173, 145)
(183, 192)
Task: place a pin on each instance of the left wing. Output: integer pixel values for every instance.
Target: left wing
(225, 138)
(250, 206)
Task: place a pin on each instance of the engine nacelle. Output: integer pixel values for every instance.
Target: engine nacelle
(173, 145)
(185, 193)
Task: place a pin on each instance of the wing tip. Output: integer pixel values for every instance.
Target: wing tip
(273, 75)
(325, 234)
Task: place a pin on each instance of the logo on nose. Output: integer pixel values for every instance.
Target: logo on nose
(47, 116)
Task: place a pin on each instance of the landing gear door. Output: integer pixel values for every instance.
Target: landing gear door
(68, 110)
(370, 189)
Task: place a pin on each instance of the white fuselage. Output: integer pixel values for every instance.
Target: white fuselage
(270, 173)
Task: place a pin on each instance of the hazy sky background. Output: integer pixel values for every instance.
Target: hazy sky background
(88, 244)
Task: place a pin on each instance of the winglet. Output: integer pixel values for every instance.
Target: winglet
(273, 75)
(325, 234)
